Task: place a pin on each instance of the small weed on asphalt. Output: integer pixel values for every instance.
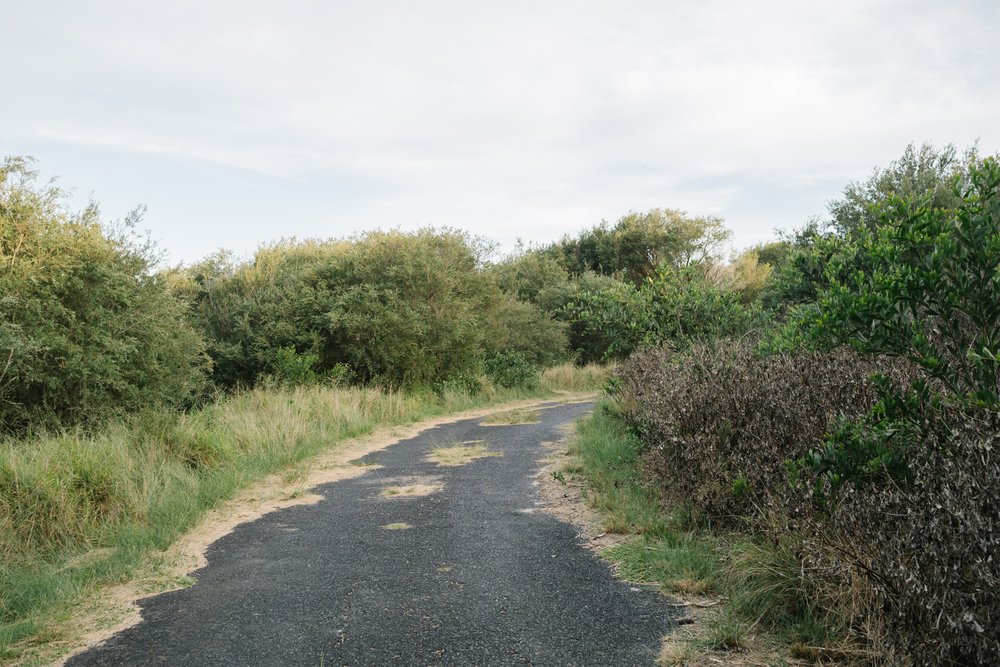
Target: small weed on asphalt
(512, 418)
(459, 455)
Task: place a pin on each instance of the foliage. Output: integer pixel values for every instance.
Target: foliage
(525, 328)
(527, 273)
(795, 279)
(585, 344)
(922, 284)
(720, 421)
(677, 306)
(759, 583)
(292, 369)
(927, 548)
(925, 283)
(402, 309)
(86, 332)
(745, 274)
(896, 479)
(926, 173)
(639, 243)
(511, 370)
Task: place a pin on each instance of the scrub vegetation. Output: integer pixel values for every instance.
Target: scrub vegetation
(830, 477)
(805, 431)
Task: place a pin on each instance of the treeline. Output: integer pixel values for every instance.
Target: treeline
(853, 433)
(92, 329)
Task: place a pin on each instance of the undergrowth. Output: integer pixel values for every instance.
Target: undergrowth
(753, 588)
(81, 510)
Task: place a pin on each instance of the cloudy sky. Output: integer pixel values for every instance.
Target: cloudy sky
(237, 123)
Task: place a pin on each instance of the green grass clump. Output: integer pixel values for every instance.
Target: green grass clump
(608, 458)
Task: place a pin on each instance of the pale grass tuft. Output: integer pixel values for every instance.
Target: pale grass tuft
(512, 417)
(674, 652)
(692, 586)
(459, 455)
(413, 491)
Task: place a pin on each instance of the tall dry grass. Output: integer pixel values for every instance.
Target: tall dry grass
(570, 377)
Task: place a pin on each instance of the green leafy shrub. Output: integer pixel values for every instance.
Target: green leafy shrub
(400, 309)
(639, 243)
(924, 283)
(86, 332)
(677, 307)
(291, 368)
(586, 344)
(510, 369)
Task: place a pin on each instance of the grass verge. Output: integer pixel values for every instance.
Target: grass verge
(81, 511)
(741, 596)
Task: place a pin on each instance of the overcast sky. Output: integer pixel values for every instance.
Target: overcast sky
(238, 123)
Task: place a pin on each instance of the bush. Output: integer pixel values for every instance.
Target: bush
(720, 422)
(925, 284)
(511, 370)
(914, 483)
(677, 307)
(86, 332)
(291, 368)
(586, 344)
(400, 309)
(637, 245)
(922, 556)
(895, 504)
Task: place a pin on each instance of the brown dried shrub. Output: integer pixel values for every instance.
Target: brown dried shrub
(912, 570)
(928, 551)
(720, 421)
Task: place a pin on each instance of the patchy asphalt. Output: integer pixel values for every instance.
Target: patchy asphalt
(481, 578)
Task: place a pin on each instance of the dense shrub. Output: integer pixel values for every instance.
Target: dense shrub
(920, 557)
(892, 483)
(526, 274)
(586, 344)
(677, 306)
(639, 243)
(924, 283)
(86, 332)
(924, 174)
(523, 327)
(719, 422)
(400, 309)
(510, 370)
(915, 482)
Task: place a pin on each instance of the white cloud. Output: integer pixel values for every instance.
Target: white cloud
(516, 118)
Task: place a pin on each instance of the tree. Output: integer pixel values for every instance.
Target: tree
(639, 243)
(924, 283)
(86, 331)
(924, 173)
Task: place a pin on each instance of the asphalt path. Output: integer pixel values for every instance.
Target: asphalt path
(480, 578)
